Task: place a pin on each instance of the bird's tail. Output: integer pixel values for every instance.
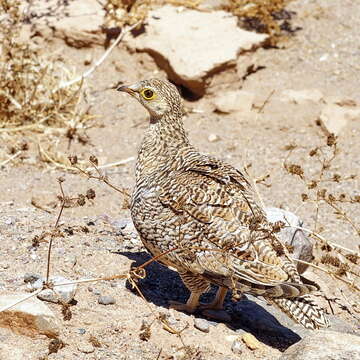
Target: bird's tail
(304, 311)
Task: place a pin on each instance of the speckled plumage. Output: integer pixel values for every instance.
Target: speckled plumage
(208, 212)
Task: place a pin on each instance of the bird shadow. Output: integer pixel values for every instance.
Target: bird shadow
(162, 285)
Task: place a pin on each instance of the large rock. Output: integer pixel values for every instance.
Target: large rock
(191, 45)
(302, 247)
(324, 345)
(79, 23)
(30, 317)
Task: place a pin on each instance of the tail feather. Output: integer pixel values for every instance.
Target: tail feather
(304, 311)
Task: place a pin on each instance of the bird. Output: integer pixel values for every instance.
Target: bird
(202, 217)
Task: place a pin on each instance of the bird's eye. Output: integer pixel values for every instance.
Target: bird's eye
(148, 94)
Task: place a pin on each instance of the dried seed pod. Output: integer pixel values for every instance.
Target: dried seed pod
(81, 200)
(90, 194)
(73, 159)
(331, 140)
(295, 169)
(94, 160)
(304, 197)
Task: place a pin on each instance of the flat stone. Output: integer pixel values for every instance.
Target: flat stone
(334, 118)
(202, 325)
(106, 300)
(30, 317)
(191, 45)
(232, 101)
(297, 238)
(324, 345)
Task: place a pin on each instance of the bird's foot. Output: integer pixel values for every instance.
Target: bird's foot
(214, 305)
(190, 306)
(182, 307)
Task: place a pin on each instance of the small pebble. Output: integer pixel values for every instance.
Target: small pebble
(106, 300)
(121, 224)
(237, 347)
(9, 221)
(202, 325)
(213, 138)
(31, 277)
(81, 331)
(86, 348)
(251, 341)
(88, 59)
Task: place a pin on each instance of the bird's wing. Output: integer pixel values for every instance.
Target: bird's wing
(225, 219)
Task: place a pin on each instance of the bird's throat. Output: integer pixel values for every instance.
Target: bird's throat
(161, 143)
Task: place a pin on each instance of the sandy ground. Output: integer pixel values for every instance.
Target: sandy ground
(323, 55)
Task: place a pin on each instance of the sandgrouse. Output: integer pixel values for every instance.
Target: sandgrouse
(208, 215)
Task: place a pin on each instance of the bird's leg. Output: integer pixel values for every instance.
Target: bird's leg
(190, 305)
(218, 302)
(197, 285)
(214, 310)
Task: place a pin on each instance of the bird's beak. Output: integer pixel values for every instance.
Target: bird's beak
(130, 89)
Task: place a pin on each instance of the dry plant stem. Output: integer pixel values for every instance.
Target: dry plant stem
(74, 169)
(101, 177)
(25, 127)
(117, 163)
(100, 61)
(10, 158)
(343, 214)
(52, 236)
(50, 159)
(266, 101)
(350, 283)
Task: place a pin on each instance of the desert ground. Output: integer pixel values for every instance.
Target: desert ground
(292, 86)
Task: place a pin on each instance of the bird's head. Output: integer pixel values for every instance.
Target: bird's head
(159, 97)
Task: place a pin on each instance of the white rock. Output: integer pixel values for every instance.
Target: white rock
(231, 101)
(191, 45)
(64, 293)
(86, 348)
(302, 246)
(202, 325)
(213, 138)
(81, 28)
(324, 345)
(302, 96)
(333, 118)
(30, 317)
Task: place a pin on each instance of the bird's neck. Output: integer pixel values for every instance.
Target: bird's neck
(160, 145)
